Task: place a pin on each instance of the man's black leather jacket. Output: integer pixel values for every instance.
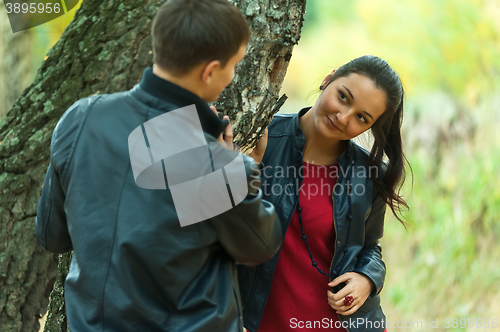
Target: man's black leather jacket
(280, 182)
(134, 268)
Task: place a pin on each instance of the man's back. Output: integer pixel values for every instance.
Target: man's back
(134, 267)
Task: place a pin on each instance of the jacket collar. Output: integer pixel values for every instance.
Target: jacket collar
(299, 140)
(174, 94)
(294, 128)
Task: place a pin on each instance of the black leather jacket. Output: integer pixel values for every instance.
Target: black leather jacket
(364, 255)
(134, 268)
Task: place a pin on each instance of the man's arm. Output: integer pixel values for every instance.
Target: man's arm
(250, 232)
(50, 227)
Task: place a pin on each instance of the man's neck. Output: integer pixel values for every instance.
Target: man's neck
(185, 82)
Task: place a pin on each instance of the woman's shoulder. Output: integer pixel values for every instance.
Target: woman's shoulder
(281, 123)
(360, 153)
(286, 124)
(362, 156)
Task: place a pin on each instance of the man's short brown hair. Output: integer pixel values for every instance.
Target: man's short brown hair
(187, 33)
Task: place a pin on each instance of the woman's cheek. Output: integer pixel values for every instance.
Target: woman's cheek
(330, 106)
(353, 131)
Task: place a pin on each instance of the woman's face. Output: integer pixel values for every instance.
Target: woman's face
(348, 106)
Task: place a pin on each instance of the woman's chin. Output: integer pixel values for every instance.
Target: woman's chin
(325, 131)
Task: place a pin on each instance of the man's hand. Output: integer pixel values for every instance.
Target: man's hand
(226, 138)
(258, 152)
(358, 286)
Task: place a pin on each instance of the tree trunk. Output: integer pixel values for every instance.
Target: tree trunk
(251, 99)
(16, 66)
(104, 50)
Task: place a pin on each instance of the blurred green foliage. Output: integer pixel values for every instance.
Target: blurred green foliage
(46, 35)
(447, 53)
(450, 45)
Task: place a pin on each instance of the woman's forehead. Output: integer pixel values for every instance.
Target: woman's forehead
(364, 93)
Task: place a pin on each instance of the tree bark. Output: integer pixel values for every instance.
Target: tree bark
(17, 68)
(104, 50)
(251, 99)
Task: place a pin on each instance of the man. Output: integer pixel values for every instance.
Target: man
(134, 267)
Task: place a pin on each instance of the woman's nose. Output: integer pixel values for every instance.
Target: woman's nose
(342, 118)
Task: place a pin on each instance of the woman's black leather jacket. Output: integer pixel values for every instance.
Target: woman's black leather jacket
(280, 183)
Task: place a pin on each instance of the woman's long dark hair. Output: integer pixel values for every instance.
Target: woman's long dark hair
(386, 130)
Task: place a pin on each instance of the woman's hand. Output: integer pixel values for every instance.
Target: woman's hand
(227, 139)
(358, 286)
(258, 152)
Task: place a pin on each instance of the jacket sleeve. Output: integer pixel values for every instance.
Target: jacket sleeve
(251, 231)
(370, 257)
(50, 226)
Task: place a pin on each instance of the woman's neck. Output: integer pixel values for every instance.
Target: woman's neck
(317, 149)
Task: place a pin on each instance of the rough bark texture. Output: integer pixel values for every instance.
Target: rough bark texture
(105, 50)
(16, 64)
(56, 318)
(251, 99)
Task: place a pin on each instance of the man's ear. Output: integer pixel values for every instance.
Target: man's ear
(327, 79)
(207, 73)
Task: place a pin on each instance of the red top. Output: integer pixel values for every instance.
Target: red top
(298, 298)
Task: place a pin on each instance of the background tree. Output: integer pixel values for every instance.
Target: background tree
(17, 67)
(104, 50)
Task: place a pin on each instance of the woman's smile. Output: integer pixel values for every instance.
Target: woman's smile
(332, 124)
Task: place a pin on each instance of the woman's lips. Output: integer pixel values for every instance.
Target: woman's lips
(332, 125)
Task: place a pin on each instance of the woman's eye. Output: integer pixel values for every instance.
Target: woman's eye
(362, 118)
(342, 96)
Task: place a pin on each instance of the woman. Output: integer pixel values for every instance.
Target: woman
(331, 197)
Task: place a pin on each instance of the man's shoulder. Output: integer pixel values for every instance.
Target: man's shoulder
(75, 112)
(81, 107)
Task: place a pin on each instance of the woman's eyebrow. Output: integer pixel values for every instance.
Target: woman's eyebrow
(368, 114)
(349, 92)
